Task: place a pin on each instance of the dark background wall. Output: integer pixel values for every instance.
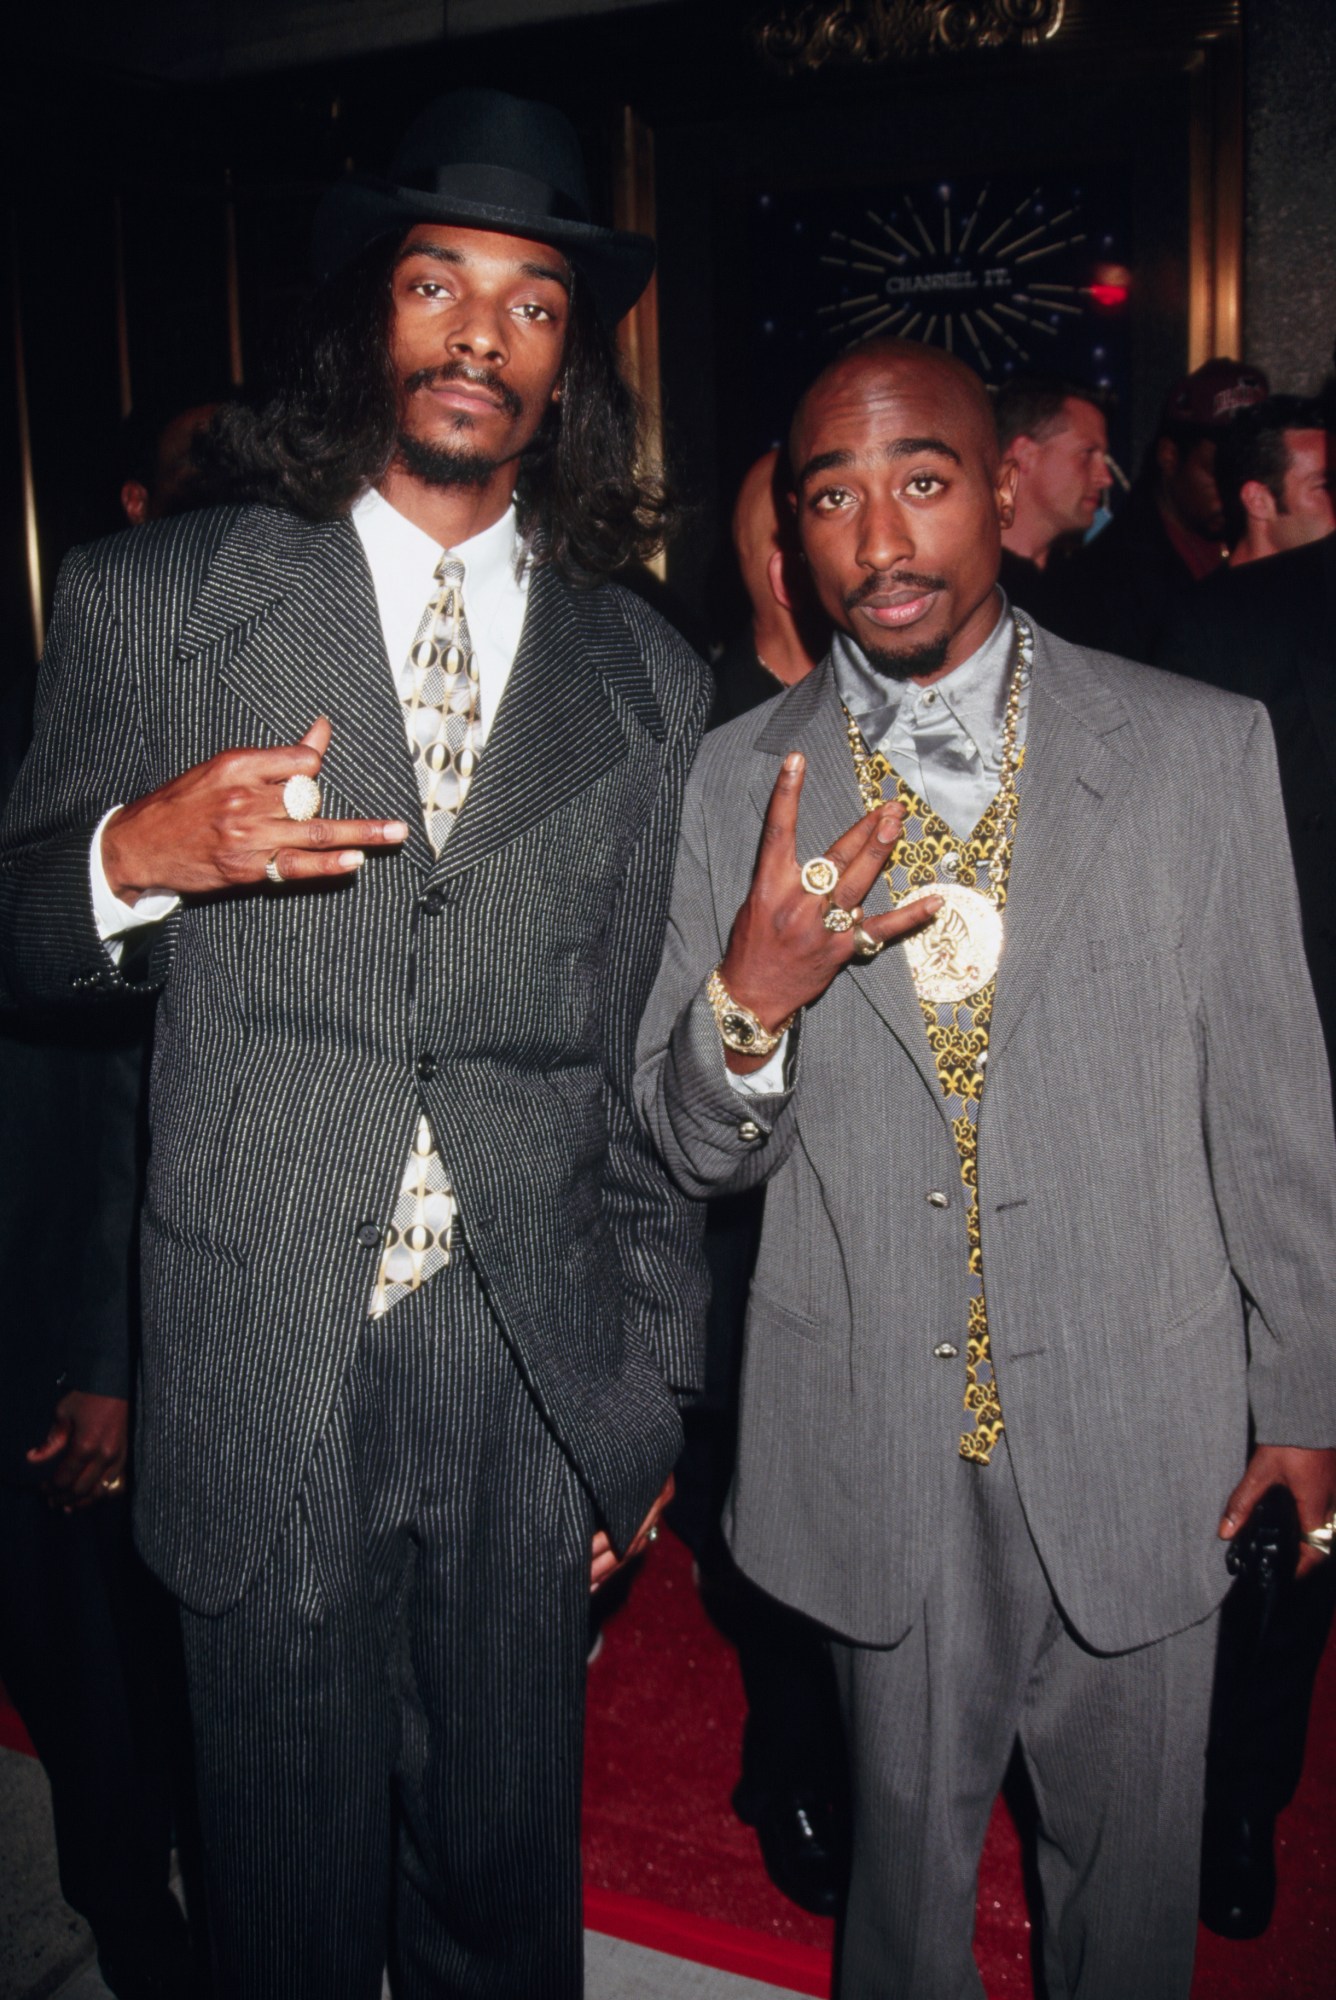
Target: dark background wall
(142, 137)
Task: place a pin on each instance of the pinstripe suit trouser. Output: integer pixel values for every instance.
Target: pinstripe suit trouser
(389, 1724)
(1114, 1744)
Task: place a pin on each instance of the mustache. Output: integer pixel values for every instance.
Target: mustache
(899, 579)
(477, 378)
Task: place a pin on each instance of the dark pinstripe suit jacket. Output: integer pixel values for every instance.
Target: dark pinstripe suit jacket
(299, 1032)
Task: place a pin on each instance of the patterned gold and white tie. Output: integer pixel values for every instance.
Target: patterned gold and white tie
(438, 686)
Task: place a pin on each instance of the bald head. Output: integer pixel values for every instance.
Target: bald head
(756, 525)
(888, 365)
(901, 498)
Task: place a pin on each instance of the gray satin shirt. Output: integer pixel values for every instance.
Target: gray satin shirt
(945, 740)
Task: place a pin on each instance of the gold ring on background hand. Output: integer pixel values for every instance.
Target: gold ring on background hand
(819, 875)
(273, 873)
(867, 946)
(110, 1486)
(1321, 1538)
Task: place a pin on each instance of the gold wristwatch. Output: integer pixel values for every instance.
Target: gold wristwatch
(739, 1028)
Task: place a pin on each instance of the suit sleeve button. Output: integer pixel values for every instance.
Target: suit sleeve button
(369, 1235)
(936, 1199)
(946, 1350)
(749, 1131)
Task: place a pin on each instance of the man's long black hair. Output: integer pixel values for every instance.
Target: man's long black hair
(330, 428)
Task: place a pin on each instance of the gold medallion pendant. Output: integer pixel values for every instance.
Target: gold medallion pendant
(958, 952)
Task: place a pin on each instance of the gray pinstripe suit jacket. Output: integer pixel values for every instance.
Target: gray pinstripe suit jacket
(299, 1032)
(1155, 1142)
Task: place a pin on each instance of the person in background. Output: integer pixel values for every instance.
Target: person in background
(793, 1788)
(1274, 468)
(88, 1647)
(786, 634)
(1120, 592)
(160, 473)
(1267, 630)
(1056, 435)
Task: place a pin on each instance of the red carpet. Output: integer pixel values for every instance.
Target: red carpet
(667, 1864)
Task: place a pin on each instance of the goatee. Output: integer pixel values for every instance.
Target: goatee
(444, 465)
(928, 657)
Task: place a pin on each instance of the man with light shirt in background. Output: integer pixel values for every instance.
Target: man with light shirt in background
(1055, 433)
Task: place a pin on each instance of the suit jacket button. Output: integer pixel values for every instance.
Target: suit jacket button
(426, 1067)
(370, 1235)
(936, 1199)
(946, 1350)
(433, 903)
(749, 1131)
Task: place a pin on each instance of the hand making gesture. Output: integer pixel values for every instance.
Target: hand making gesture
(235, 820)
(801, 925)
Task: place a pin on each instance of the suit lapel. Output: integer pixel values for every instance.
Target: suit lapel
(288, 621)
(811, 719)
(1075, 780)
(555, 732)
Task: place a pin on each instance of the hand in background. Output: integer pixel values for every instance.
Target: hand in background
(84, 1450)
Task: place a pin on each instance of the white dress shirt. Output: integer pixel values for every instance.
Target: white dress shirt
(402, 560)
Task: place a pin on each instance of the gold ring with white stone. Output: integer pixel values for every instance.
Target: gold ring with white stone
(819, 875)
(301, 797)
(839, 920)
(272, 872)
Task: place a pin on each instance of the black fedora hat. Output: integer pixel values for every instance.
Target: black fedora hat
(487, 160)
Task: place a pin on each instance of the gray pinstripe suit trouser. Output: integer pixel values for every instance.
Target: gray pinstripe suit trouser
(1115, 1748)
(389, 1724)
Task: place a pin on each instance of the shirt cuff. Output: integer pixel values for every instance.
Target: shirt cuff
(771, 1080)
(113, 917)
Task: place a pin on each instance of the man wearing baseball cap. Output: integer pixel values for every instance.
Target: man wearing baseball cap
(377, 784)
(1122, 590)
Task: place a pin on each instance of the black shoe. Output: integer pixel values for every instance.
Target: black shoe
(802, 1846)
(1238, 1872)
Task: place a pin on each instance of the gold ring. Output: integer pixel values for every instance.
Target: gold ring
(868, 946)
(1321, 1538)
(113, 1485)
(301, 797)
(272, 871)
(819, 875)
(838, 919)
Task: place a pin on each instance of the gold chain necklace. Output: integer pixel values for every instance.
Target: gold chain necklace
(957, 954)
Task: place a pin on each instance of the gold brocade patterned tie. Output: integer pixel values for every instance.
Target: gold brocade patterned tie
(928, 853)
(438, 686)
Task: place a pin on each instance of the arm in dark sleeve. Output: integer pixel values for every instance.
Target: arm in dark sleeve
(103, 1302)
(87, 756)
(1268, 1111)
